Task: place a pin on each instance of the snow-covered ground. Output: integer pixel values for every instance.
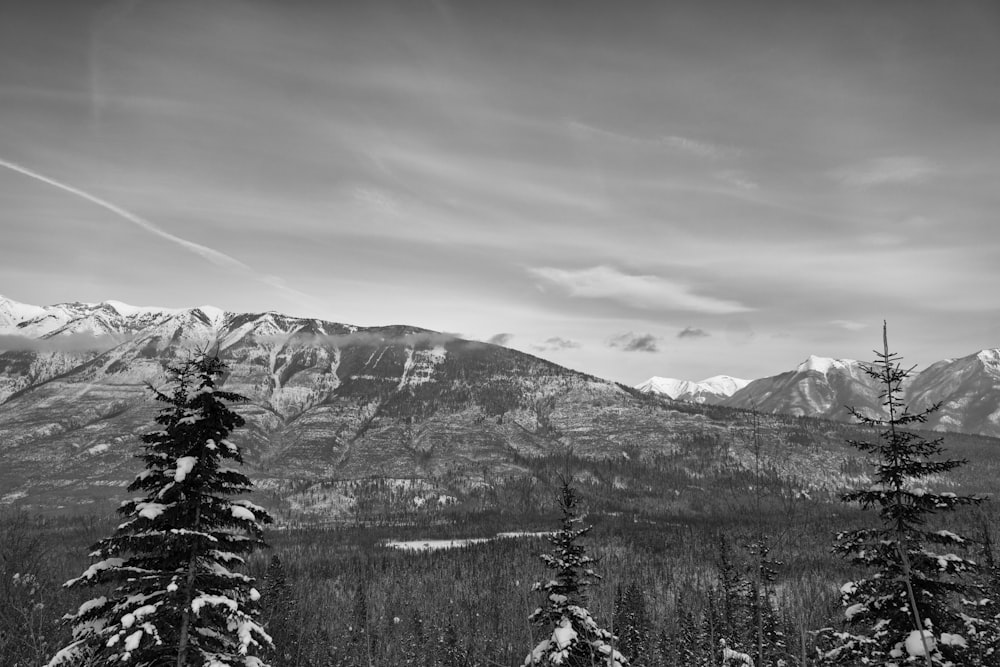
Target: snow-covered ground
(436, 545)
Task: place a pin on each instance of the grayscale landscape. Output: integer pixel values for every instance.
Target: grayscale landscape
(465, 334)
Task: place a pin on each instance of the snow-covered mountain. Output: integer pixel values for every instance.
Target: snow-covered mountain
(709, 390)
(968, 389)
(818, 387)
(327, 401)
(108, 318)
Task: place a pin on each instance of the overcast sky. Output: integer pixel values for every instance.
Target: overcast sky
(627, 188)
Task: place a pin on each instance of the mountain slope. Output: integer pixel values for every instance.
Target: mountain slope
(968, 390)
(818, 387)
(327, 401)
(331, 404)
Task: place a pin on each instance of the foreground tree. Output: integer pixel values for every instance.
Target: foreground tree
(574, 638)
(911, 610)
(177, 602)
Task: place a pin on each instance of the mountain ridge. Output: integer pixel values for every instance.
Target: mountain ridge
(968, 389)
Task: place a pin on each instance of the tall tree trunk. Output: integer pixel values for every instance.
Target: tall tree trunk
(182, 638)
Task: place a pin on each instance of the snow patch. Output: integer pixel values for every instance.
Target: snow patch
(184, 466)
(824, 365)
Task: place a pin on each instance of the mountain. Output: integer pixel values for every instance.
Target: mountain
(332, 405)
(968, 390)
(818, 387)
(711, 390)
(328, 403)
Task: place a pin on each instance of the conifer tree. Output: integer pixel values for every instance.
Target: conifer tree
(178, 601)
(575, 639)
(631, 622)
(278, 615)
(909, 611)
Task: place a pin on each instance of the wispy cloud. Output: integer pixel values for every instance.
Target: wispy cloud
(705, 150)
(500, 339)
(737, 179)
(210, 254)
(632, 342)
(639, 291)
(556, 343)
(850, 325)
(692, 332)
(76, 342)
(886, 171)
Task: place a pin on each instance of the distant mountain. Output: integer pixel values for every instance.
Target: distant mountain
(327, 402)
(818, 387)
(711, 390)
(331, 404)
(968, 389)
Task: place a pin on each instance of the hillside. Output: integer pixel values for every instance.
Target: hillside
(332, 402)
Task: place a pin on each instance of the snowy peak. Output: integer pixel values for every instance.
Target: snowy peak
(723, 384)
(126, 310)
(107, 318)
(13, 312)
(989, 358)
(709, 390)
(824, 365)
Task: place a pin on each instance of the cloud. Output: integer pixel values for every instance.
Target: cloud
(363, 338)
(737, 179)
(705, 150)
(886, 171)
(556, 343)
(500, 339)
(209, 254)
(691, 332)
(850, 325)
(76, 342)
(701, 149)
(642, 291)
(631, 342)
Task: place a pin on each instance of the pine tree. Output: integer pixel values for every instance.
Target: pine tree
(278, 615)
(631, 622)
(177, 600)
(575, 639)
(910, 608)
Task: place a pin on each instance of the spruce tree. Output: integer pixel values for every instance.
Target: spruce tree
(631, 622)
(574, 637)
(910, 610)
(178, 600)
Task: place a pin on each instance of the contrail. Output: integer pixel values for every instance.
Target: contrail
(211, 255)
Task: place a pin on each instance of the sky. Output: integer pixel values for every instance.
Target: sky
(629, 189)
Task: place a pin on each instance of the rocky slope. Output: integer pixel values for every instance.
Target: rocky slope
(329, 403)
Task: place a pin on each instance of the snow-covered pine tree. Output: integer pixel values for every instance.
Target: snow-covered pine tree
(575, 639)
(178, 602)
(910, 610)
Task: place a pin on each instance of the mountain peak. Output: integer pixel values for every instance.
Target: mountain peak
(715, 387)
(823, 365)
(126, 310)
(989, 357)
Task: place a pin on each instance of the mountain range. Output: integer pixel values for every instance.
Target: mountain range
(968, 389)
(330, 404)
